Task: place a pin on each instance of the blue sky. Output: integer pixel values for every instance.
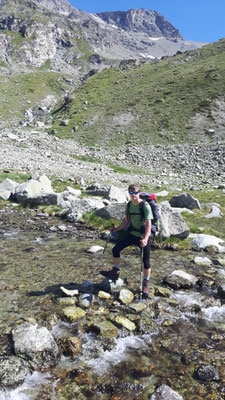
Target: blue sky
(198, 20)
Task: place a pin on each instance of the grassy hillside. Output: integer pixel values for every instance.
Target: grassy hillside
(153, 103)
(25, 90)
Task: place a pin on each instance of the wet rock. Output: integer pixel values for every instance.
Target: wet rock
(164, 392)
(104, 328)
(180, 280)
(73, 313)
(202, 241)
(35, 343)
(206, 373)
(126, 296)
(221, 291)
(162, 292)
(203, 261)
(66, 301)
(104, 295)
(185, 200)
(95, 249)
(71, 346)
(138, 307)
(123, 321)
(85, 300)
(108, 285)
(13, 371)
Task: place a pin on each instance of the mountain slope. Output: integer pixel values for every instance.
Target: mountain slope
(172, 100)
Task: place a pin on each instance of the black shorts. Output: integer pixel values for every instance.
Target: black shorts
(131, 240)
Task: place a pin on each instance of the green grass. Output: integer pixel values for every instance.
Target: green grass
(20, 92)
(14, 176)
(163, 97)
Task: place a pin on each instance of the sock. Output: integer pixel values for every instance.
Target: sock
(146, 279)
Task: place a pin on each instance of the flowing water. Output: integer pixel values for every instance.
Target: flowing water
(186, 332)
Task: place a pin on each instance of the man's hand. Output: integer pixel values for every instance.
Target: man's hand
(143, 242)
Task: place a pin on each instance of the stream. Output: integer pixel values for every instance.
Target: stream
(174, 336)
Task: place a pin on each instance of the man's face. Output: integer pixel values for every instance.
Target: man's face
(134, 195)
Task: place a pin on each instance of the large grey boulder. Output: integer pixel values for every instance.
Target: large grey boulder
(117, 195)
(35, 344)
(116, 211)
(164, 392)
(33, 188)
(185, 200)
(13, 371)
(82, 206)
(171, 223)
(4, 194)
(9, 185)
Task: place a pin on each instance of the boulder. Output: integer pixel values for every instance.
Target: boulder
(4, 194)
(116, 195)
(171, 223)
(104, 328)
(203, 261)
(126, 296)
(179, 279)
(201, 242)
(116, 211)
(206, 373)
(123, 322)
(13, 371)
(82, 206)
(9, 185)
(164, 392)
(185, 200)
(215, 212)
(110, 286)
(36, 344)
(73, 313)
(33, 188)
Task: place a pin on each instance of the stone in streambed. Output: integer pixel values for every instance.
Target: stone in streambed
(123, 321)
(126, 296)
(73, 313)
(104, 328)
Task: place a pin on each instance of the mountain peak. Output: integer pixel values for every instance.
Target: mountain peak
(61, 6)
(142, 20)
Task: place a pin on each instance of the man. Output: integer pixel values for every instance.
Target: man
(139, 234)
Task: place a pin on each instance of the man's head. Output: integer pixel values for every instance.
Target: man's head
(134, 192)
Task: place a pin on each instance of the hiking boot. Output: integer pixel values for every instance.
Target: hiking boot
(113, 274)
(145, 287)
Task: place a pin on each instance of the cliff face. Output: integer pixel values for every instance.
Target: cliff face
(149, 22)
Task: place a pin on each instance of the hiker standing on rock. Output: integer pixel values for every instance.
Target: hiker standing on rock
(138, 216)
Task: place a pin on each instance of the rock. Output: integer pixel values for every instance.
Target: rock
(13, 371)
(185, 200)
(215, 212)
(85, 300)
(104, 295)
(95, 249)
(221, 291)
(138, 307)
(9, 185)
(73, 313)
(110, 286)
(162, 292)
(203, 261)
(171, 223)
(221, 261)
(163, 193)
(71, 346)
(202, 241)
(33, 188)
(104, 328)
(66, 301)
(180, 280)
(117, 195)
(82, 206)
(123, 321)
(126, 296)
(4, 194)
(116, 211)
(207, 373)
(35, 343)
(164, 392)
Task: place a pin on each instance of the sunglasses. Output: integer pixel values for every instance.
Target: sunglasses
(136, 192)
